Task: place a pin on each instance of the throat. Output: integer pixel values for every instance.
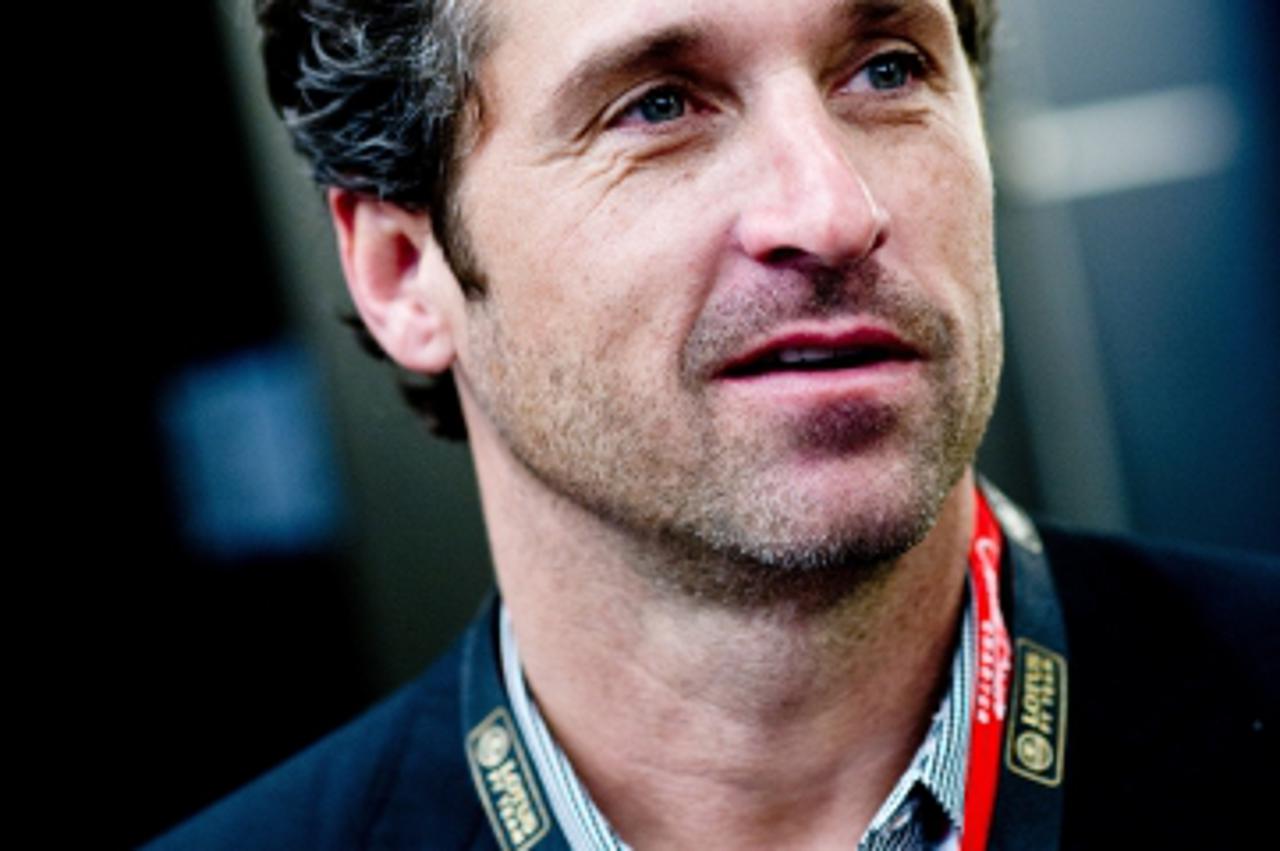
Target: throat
(792, 732)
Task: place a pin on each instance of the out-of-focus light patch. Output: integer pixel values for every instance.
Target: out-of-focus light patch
(250, 456)
(1094, 149)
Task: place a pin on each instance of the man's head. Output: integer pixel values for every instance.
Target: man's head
(372, 92)
(717, 273)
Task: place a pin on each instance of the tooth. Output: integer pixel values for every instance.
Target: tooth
(805, 355)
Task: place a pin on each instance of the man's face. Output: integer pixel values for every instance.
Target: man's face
(738, 254)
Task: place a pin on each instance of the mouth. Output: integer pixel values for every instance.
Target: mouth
(863, 349)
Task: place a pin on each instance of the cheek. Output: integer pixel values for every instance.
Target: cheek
(941, 204)
(605, 295)
(633, 268)
(942, 238)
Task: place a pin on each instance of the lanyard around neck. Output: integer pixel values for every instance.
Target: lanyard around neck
(1017, 743)
(991, 678)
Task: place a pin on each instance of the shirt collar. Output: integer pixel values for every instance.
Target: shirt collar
(940, 763)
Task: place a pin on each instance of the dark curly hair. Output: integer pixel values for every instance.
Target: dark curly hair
(371, 92)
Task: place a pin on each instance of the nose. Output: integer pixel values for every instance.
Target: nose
(808, 201)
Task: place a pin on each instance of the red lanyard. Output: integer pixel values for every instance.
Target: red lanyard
(991, 686)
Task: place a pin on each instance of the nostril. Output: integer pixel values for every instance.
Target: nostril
(783, 255)
(882, 232)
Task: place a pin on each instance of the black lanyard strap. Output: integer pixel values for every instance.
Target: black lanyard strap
(1028, 811)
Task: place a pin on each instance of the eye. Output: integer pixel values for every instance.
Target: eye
(660, 105)
(890, 71)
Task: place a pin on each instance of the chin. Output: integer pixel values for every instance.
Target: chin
(872, 538)
(809, 553)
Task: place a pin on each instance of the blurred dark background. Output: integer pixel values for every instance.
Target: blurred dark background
(263, 541)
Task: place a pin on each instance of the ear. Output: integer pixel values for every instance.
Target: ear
(398, 278)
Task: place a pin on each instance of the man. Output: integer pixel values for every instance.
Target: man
(712, 282)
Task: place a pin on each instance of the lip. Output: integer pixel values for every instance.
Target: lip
(865, 348)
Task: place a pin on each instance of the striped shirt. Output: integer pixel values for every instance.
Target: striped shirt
(923, 812)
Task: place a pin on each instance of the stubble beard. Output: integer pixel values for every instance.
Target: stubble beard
(710, 520)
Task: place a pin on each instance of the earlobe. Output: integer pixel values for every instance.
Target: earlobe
(396, 274)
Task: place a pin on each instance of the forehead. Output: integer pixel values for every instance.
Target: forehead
(553, 35)
(571, 18)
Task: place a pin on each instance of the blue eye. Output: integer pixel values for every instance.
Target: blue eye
(895, 70)
(658, 106)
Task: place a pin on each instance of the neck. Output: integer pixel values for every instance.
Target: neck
(697, 725)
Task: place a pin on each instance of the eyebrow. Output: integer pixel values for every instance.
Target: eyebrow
(659, 48)
(863, 15)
